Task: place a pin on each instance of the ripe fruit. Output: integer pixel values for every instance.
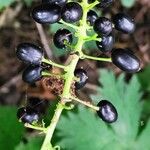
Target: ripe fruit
(61, 37)
(29, 53)
(82, 75)
(47, 13)
(58, 2)
(107, 112)
(125, 60)
(32, 74)
(72, 12)
(27, 115)
(103, 26)
(124, 23)
(106, 44)
(91, 17)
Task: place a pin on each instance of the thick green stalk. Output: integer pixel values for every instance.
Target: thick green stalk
(69, 76)
(50, 129)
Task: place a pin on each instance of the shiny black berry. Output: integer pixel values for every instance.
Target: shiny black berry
(106, 43)
(58, 2)
(91, 17)
(72, 12)
(32, 74)
(107, 112)
(124, 23)
(27, 115)
(103, 26)
(47, 13)
(29, 53)
(61, 37)
(125, 60)
(82, 77)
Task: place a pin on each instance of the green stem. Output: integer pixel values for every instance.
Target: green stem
(69, 25)
(93, 38)
(96, 58)
(81, 33)
(44, 60)
(88, 104)
(93, 4)
(69, 75)
(35, 127)
(50, 129)
(44, 73)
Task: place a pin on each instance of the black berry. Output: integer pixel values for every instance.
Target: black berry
(58, 2)
(91, 17)
(82, 76)
(72, 12)
(27, 115)
(124, 23)
(32, 74)
(107, 112)
(125, 60)
(103, 26)
(106, 44)
(47, 13)
(61, 37)
(29, 53)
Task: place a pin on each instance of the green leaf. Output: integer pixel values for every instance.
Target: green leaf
(143, 140)
(5, 3)
(11, 131)
(126, 98)
(143, 77)
(128, 3)
(33, 143)
(146, 108)
(82, 129)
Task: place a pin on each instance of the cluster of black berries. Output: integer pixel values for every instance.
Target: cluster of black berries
(31, 55)
(122, 58)
(52, 11)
